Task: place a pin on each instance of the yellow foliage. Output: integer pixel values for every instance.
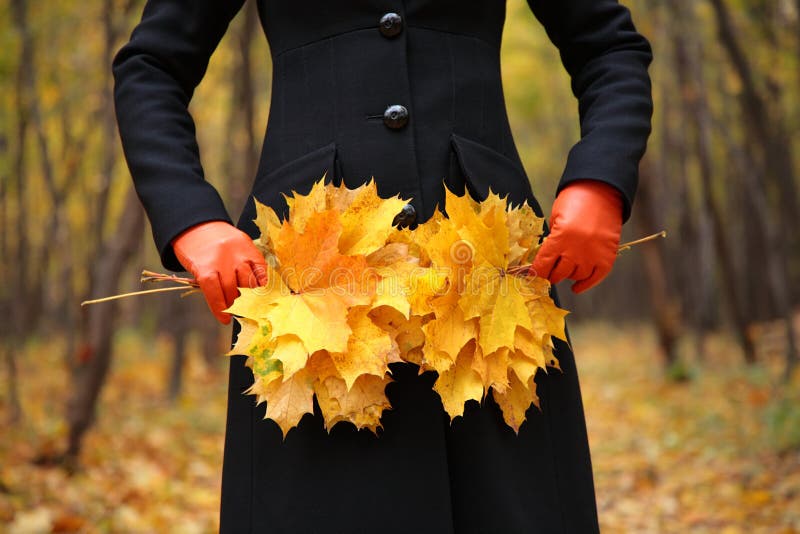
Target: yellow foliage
(349, 294)
(310, 327)
(460, 383)
(510, 318)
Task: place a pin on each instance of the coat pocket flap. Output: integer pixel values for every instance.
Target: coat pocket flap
(483, 167)
(297, 175)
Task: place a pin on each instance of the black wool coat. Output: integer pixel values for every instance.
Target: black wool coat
(407, 91)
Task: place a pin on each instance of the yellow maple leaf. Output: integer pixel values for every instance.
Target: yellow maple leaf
(549, 356)
(268, 224)
(460, 383)
(389, 254)
(247, 332)
(288, 400)
(403, 284)
(301, 207)
(524, 230)
(406, 332)
(492, 368)
(254, 302)
(516, 400)
(522, 366)
(362, 404)
(339, 197)
(489, 241)
(320, 366)
(255, 341)
(547, 318)
(498, 299)
(445, 336)
(319, 319)
(313, 286)
(309, 258)
(291, 352)
(420, 286)
(367, 220)
(369, 348)
(532, 348)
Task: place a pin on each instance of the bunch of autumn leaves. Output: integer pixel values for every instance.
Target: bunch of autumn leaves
(349, 293)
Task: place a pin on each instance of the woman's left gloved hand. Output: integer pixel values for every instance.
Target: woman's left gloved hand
(585, 230)
(222, 259)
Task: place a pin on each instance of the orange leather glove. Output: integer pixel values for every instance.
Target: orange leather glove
(222, 259)
(585, 229)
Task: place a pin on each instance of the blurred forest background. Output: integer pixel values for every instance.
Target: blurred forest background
(112, 416)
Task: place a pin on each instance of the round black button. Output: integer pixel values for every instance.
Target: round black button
(395, 116)
(391, 25)
(405, 217)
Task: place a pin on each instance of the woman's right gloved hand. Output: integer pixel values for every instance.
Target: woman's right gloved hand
(222, 259)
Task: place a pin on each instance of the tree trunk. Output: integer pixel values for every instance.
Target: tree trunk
(15, 294)
(109, 126)
(94, 355)
(767, 130)
(241, 161)
(698, 115)
(772, 265)
(665, 308)
(177, 322)
(14, 415)
(247, 97)
(90, 364)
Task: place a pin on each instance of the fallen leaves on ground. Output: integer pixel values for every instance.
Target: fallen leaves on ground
(704, 456)
(701, 457)
(147, 466)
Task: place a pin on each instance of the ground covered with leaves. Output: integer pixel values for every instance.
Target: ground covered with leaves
(718, 453)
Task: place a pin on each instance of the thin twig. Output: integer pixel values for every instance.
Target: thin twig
(151, 276)
(135, 293)
(523, 269)
(629, 244)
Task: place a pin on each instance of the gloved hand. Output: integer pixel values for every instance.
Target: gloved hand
(585, 230)
(222, 258)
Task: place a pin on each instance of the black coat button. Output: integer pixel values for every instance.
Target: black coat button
(391, 25)
(395, 117)
(405, 217)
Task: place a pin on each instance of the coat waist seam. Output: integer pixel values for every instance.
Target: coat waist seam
(484, 42)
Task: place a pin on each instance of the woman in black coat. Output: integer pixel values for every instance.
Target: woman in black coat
(407, 91)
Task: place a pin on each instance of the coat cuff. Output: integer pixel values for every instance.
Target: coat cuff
(584, 163)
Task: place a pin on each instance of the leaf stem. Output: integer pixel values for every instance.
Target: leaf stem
(523, 269)
(651, 237)
(135, 293)
(151, 276)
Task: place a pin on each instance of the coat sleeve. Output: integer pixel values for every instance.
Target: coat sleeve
(607, 60)
(155, 74)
